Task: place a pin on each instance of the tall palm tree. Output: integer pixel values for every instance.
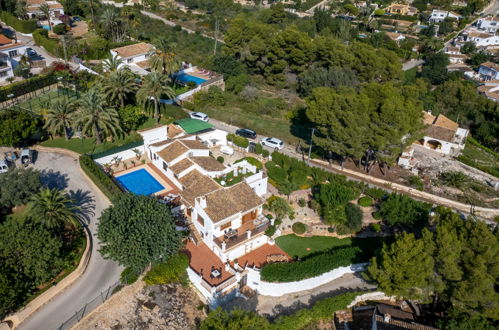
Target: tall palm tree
(95, 116)
(45, 9)
(154, 86)
(113, 24)
(164, 59)
(118, 85)
(59, 117)
(53, 208)
(112, 63)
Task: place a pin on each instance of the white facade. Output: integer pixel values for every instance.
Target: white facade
(438, 16)
(10, 56)
(488, 71)
(134, 57)
(55, 8)
(488, 24)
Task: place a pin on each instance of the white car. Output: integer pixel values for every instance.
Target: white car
(199, 115)
(273, 143)
(4, 167)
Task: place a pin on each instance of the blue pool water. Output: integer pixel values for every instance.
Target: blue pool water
(46, 27)
(140, 182)
(185, 78)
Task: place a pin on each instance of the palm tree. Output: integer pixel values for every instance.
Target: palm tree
(164, 59)
(45, 9)
(59, 117)
(53, 208)
(112, 63)
(118, 85)
(154, 86)
(113, 24)
(95, 116)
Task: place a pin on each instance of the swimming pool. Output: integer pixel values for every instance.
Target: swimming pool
(185, 78)
(140, 182)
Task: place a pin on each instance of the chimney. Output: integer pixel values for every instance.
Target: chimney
(224, 245)
(248, 234)
(202, 202)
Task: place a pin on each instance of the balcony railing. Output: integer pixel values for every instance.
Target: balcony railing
(261, 225)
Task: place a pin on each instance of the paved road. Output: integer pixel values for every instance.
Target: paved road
(411, 64)
(100, 273)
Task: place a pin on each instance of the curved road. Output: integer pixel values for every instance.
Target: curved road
(64, 171)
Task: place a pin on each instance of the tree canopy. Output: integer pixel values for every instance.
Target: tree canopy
(17, 127)
(137, 230)
(18, 185)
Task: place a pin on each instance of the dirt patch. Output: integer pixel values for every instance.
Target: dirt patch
(147, 307)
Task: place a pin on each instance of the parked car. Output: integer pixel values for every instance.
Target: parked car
(199, 115)
(31, 52)
(76, 19)
(247, 133)
(4, 166)
(26, 157)
(273, 143)
(227, 150)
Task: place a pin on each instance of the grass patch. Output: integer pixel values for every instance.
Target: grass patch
(303, 246)
(479, 158)
(42, 102)
(89, 145)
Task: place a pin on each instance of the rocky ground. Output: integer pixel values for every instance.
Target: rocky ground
(171, 307)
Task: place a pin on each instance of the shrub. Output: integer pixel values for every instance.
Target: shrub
(454, 178)
(59, 29)
(365, 201)
(299, 228)
(302, 202)
(173, 270)
(258, 149)
(265, 153)
(311, 266)
(416, 181)
(354, 216)
(23, 26)
(106, 184)
(377, 215)
(330, 229)
(270, 231)
(220, 159)
(129, 276)
(41, 39)
(376, 227)
(376, 193)
(26, 86)
(240, 141)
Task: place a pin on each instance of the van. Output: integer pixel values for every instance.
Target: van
(4, 167)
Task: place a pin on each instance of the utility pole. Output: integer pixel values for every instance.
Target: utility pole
(64, 48)
(311, 142)
(216, 35)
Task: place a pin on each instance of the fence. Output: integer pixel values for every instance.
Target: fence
(90, 306)
(40, 99)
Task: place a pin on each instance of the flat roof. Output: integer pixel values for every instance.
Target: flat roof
(191, 126)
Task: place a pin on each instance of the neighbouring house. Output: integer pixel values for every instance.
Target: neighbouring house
(10, 54)
(455, 55)
(459, 67)
(226, 220)
(135, 57)
(490, 89)
(438, 16)
(33, 8)
(481, 38)
(488, 24)
(395, 36)
(407, 159)
(401, 9)
(384, 316)
(488, 71)
(443, 135)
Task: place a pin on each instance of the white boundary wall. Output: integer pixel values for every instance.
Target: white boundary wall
(125, 154)
(255, 282)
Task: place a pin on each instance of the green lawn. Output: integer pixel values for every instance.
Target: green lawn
(302, 246)
(297, 246)
(41, 101)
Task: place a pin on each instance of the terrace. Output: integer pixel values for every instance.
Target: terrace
(247, 231)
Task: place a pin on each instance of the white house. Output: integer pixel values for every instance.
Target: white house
(134, 56)
(33, 8)
(226, 221)
(443, 135)
(488, 71)
(490, 89)
(10, 55)
(488, 24)
(438, 16)
(455, 55)
(482, 38)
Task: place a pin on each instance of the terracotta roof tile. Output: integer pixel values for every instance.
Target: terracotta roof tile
(194, 144)
(172, 151)
(261, 256)
(428, 118)
(445, 122)
(181, 166)
(195, 185)
(202, 259)
(174, 131)
(210, 164)
(226, 202)
(133, 50)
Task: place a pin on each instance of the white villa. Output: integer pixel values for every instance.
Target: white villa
(481, 39)
(10, 54)
(225, 220)
(134, 57)
(488, 24)
(438, 16)
(488, 71)
(33, 8)
(443, 135)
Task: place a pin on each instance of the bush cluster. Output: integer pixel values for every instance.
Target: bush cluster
(238, 140)
(253, 161)
(220, 159)
(129, 276)
(23, 26)
(42, 39)
(173, 270)
(101, 179)
(299, 228)
(365, 201)
(26, 86)
(311, 266)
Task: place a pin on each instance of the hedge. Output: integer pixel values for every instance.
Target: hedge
(23, 26)
(26, 86)
(253, 161)
(106, 184)
(41, 39)
(323, 310)
(173, 270)
(238, 140)
(312, 266)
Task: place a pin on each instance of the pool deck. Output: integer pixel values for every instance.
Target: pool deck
(170, 188)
